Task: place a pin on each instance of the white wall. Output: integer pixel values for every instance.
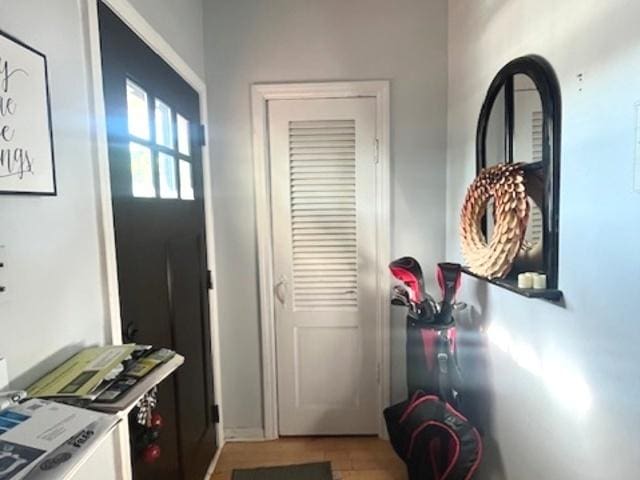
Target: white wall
(543, 425)
(55, 300)
(248, 41)
(56, 286)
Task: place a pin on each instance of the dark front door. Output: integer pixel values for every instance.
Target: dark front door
(155, 155)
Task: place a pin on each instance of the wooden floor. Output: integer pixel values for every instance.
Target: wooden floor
(352, 458)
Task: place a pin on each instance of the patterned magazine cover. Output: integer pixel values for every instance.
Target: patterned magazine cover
(39, 436)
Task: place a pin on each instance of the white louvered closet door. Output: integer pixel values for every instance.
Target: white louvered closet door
(527, 146)
(322, 155)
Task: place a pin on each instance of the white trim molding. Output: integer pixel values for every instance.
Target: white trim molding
(132, 18)
(244, 435)
(213, 465)
(261, 94)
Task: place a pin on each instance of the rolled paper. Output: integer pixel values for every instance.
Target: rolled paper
(539, 281)
(525, 280)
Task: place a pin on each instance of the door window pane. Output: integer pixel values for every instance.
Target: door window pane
(168, 180)
(137, 111)
(186, 181)
(142, 184)
(183, 136)
(164, 125)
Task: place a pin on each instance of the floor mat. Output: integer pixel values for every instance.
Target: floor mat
(311, 471)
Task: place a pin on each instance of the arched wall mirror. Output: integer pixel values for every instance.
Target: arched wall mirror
(520, 123)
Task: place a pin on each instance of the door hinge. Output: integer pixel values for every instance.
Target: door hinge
(209, 280)
(202, 133)
(376, 151)
(215, 413)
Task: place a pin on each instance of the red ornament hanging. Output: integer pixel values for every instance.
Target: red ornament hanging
(157, 422)
(151, 454)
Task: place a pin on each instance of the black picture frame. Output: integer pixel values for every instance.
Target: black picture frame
(54, 191)
(544, 78)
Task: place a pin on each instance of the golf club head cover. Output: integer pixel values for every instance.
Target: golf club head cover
(449, 276)
(408, 271)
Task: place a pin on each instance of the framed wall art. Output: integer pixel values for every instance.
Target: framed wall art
(26, 142)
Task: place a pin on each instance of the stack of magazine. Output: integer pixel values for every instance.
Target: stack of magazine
(99, 375)
(44, 436)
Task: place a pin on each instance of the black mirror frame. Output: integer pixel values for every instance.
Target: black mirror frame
(545, 80)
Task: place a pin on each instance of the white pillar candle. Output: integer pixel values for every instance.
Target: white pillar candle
(525, 280)
(539, 281)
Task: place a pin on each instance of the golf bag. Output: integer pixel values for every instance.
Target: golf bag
(427, 431)
(434, 440)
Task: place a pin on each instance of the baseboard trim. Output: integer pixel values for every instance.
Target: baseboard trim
(244, 435)
(214, 463)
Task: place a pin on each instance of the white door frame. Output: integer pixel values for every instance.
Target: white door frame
(130, 16)
(260, 95)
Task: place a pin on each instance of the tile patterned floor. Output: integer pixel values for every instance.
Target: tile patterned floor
(352, 458)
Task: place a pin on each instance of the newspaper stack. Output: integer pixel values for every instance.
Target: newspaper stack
(85, 375)
(40, 439)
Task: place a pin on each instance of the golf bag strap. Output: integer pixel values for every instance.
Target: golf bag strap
(449, 375)
(444, 355)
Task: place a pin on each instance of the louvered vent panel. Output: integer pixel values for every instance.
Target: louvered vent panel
(323, 214)
(534, 229)
(536, 138)
(534, 232)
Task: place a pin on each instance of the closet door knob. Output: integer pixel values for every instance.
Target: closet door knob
(281, 290)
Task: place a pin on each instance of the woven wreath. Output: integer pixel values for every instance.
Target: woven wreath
(506, 185)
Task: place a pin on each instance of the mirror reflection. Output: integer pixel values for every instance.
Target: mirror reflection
(496, 132)
(527, 120)
(533, 236)
(525, 113)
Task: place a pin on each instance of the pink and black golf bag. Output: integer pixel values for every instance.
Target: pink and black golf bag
(427, 431)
